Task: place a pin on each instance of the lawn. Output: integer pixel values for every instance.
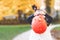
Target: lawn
(7, 32)
(57, 28)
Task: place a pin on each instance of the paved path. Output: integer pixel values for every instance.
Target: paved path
(25, 35)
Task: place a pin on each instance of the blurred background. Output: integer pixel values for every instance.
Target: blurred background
(12, 10)
(9, 9)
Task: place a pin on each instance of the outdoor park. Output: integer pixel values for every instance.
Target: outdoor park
(13, 15)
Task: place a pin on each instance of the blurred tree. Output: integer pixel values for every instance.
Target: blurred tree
(48, 8)
(10, 7)
(49, 5)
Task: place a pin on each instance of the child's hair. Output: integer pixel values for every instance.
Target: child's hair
(34, 6)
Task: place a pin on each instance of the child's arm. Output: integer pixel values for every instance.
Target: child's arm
(48, 19)
(29, 19)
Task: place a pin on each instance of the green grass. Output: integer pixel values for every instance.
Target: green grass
(57, 28)
(7, 32)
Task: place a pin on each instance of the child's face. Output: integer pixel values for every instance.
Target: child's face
(39, 13)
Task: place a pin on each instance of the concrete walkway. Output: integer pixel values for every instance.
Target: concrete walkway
(25, 35)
